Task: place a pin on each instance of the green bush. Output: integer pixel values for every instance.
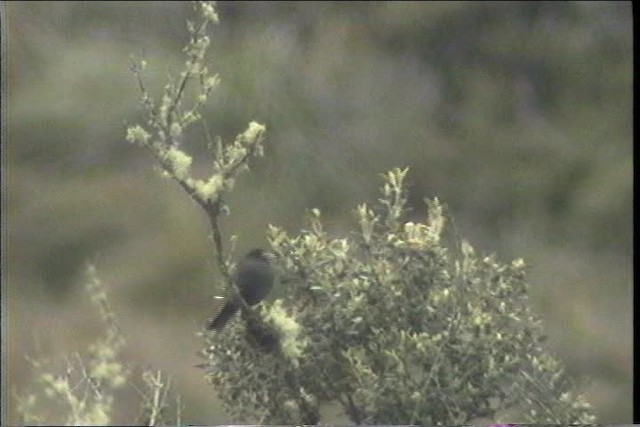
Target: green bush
(397, 327)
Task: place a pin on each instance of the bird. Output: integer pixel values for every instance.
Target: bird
(254, 278)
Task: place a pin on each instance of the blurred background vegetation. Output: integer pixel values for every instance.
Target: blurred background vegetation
(518, 116)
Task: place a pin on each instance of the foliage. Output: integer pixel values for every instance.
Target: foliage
(84, 394)
(396, 327)
(168, 120)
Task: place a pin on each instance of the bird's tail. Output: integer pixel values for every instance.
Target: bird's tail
(218, 321)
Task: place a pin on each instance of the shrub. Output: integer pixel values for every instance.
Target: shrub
(397, 327)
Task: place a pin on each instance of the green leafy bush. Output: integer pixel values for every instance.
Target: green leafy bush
(396, 326)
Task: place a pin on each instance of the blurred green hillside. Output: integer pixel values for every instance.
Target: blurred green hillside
(518, 116)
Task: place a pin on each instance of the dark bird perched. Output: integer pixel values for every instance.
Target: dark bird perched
(254, 279)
